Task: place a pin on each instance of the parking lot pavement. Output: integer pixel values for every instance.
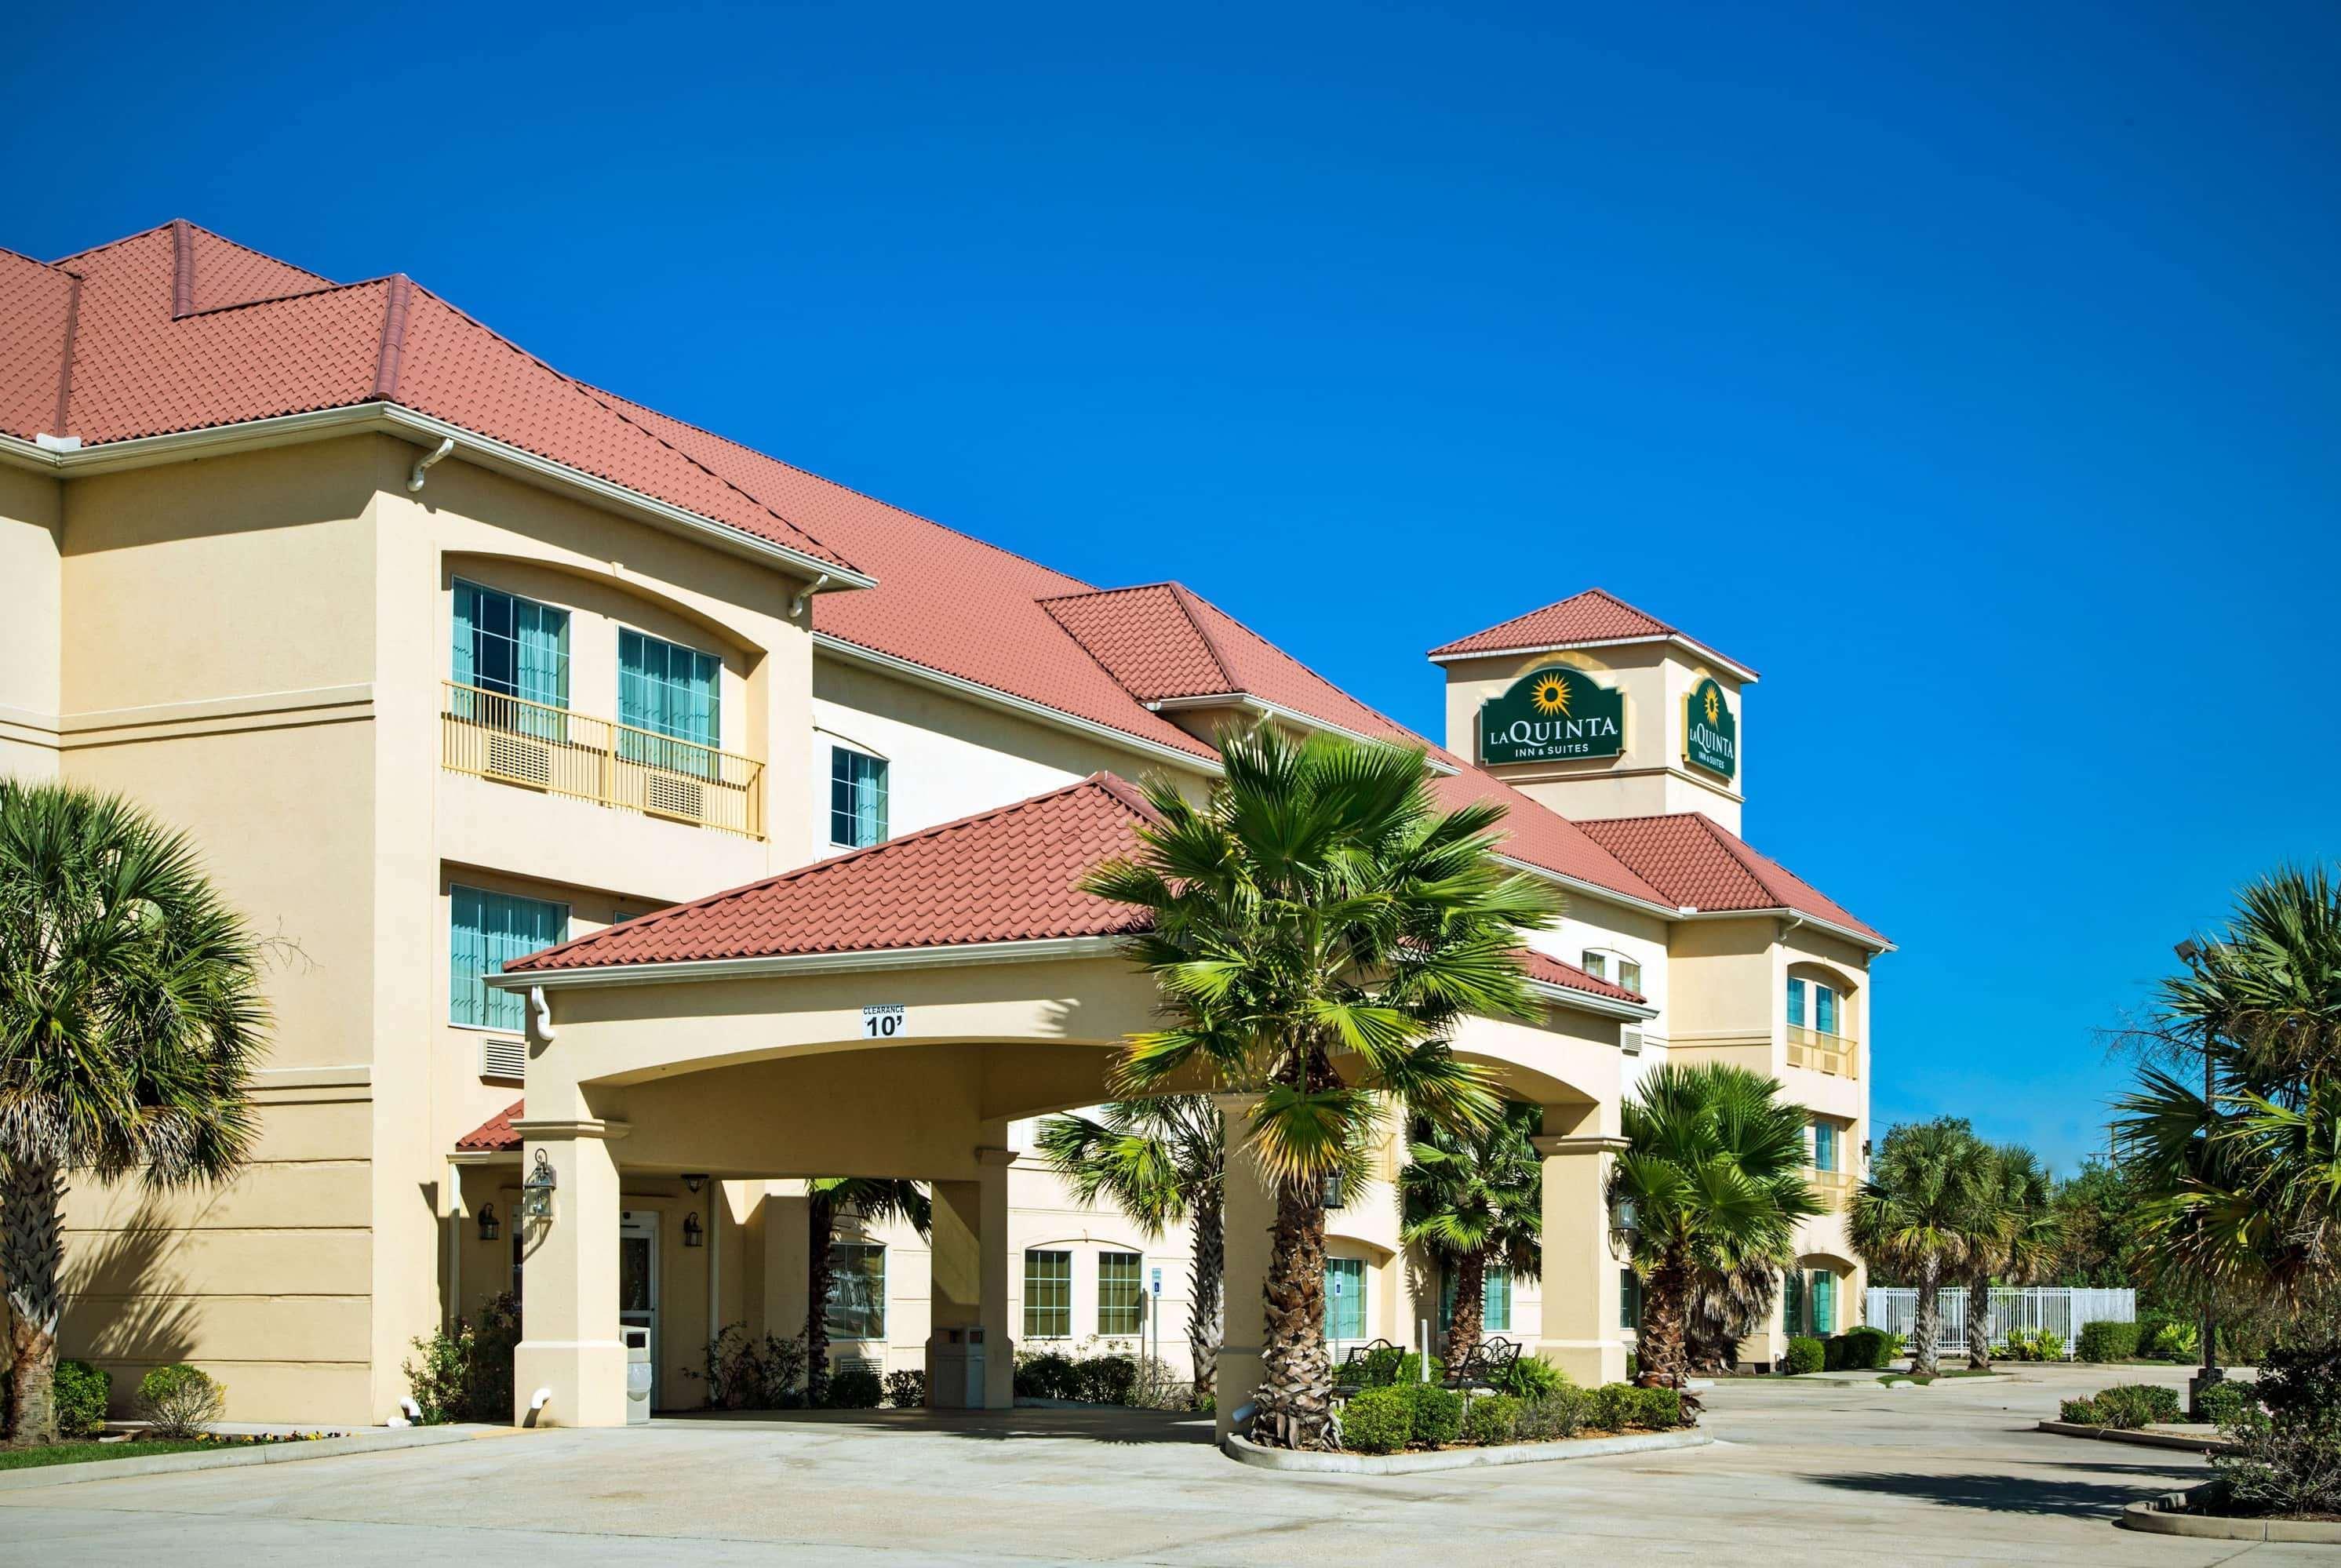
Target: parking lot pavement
(1950, 1474)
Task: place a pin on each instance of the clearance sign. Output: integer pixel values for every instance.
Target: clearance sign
(1552, 714)
(1710, 734)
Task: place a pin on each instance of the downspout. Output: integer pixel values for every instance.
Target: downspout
(797, 605)
(414, 482)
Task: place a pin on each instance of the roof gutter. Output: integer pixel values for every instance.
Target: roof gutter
(1866, 939)
(1586, 1002)
(787, 965)
(426, 430)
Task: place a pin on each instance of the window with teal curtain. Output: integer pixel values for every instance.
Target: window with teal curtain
(1345, 1298)
(675, 693)
(857, 798)
(488, 930)
(1630, 1299)
(1823, 1146)
(1792, 1300)
(508, 646)
(1825, 1009)
(1495, 1300)
(1824, 1302)
(1796, 1004)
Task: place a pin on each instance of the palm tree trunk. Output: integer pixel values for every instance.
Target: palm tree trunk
(1979, 1320)
(1666, 1317)
(821, 1224)
(1204, 1326)
(1470, 1307)
(1296, 1390)
(32, 1248)
(1926, 1327)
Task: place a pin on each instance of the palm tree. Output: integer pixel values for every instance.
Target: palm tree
(2245, 1180)
(1727, 1304)
(1713, 1175)
(131, 1016)
(2014, 1235)
(1472, 1199)
(827, 1198)
(1915, 1216)
(1317, 928)
(1161, 1161)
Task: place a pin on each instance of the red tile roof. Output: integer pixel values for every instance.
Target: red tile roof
(1595, 615)
(1006, 875)
(1701, 865)
(1553, 972)
(495, 1135)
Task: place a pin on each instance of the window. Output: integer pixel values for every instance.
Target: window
(1596, 964)
(1630, 1299)
(1606, 965)
(1824, 1145)
(675, 693)
(857, 1291)
(1122, 1300)
(1824, 1004)
(857, 798)
(1345, 1298)
(512, 647)
(1792, 1301)
(1823, 1300)
(1629, 974)
(1495, 1300)
(487, 929)
(1048, 1294)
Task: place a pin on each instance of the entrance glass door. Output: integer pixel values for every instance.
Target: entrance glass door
(638, 1281)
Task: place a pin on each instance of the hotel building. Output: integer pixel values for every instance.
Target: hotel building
(446, 658)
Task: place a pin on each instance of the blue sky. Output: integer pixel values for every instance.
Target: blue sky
(1970, 374)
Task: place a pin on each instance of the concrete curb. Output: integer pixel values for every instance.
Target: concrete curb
(230, 1458)
(2185, 1442)
(1246, 1452)
(2167, 1515)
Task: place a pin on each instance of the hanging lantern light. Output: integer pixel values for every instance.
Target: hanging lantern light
(691, 1234)
(536, 1192)
(490, 1226)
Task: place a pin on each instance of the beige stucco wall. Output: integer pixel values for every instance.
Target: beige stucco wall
(31, 608)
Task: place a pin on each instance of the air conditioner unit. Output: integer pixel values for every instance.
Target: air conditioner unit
(666, 795)
(1631, 1041)
(518, 760)
(504, 1060)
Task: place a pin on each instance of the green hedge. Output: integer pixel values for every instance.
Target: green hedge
(2127, 1406)
(1377, 1421)
(1529, 1377)
(1561, 1412)
(1493, 1418)
(2225, 1403)
(2107, 1342)
(1438, 1413)
(81, 1392)
(1807, 1354)
(854, 1385)
(1859, 1350)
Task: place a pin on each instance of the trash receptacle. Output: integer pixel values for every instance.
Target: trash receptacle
(955, 1368)
(638, 1375)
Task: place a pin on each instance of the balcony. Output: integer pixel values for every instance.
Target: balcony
(1839, 1055)
(1835, 1187)
(511, 740)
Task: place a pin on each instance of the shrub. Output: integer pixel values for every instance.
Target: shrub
(906, 1390)
(2174, 1341)
(1859, 1350)
(744, 1374)
(441, 1387)
(1105, 1379)
(81, 1392)
(1529, 1377)
(1611, 1407)
(1438, 1413)
(1386, 1367)
(1377, 1420)
(2290, 1458)
(854, 1385)
(1658, 1409)
(1807, 1354)
(2127, 1406)
(2225, 1403)
(2103, 1341)
(493, 1342)
(1557, 1413)
(1491, 1419)
(2032, 1344)
(180, 1401)
(2081, 1413)
(1046, 1374)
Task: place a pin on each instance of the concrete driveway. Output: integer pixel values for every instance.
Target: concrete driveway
(1950, 1474)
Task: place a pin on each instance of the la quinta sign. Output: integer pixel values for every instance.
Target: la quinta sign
(1710, 734)
(1556, 714)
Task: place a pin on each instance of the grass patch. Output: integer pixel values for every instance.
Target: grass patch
(1912, 1377)
(84, 1452)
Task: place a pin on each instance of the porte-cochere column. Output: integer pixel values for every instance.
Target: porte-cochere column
(569, 1281)
(1581, 1304)
(968, 1282)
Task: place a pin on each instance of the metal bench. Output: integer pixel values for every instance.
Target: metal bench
(1490, 1359)
(1350, 1375)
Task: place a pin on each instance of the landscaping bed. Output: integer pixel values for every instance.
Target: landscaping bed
(1459, 1456)
(94, 1450)
(2210, 1512)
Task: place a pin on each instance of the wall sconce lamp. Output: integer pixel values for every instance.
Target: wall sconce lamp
(694, 1180)
(691, 1234)
(536, 1193)
(491, 1228)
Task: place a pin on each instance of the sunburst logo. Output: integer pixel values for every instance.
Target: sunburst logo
(1714, 706)
(1550, 694)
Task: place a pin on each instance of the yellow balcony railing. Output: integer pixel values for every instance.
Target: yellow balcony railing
(1824, 1053)
(513, 740)
(1835, 1187)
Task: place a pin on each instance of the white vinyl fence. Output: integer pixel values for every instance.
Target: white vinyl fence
(2061, 1310)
